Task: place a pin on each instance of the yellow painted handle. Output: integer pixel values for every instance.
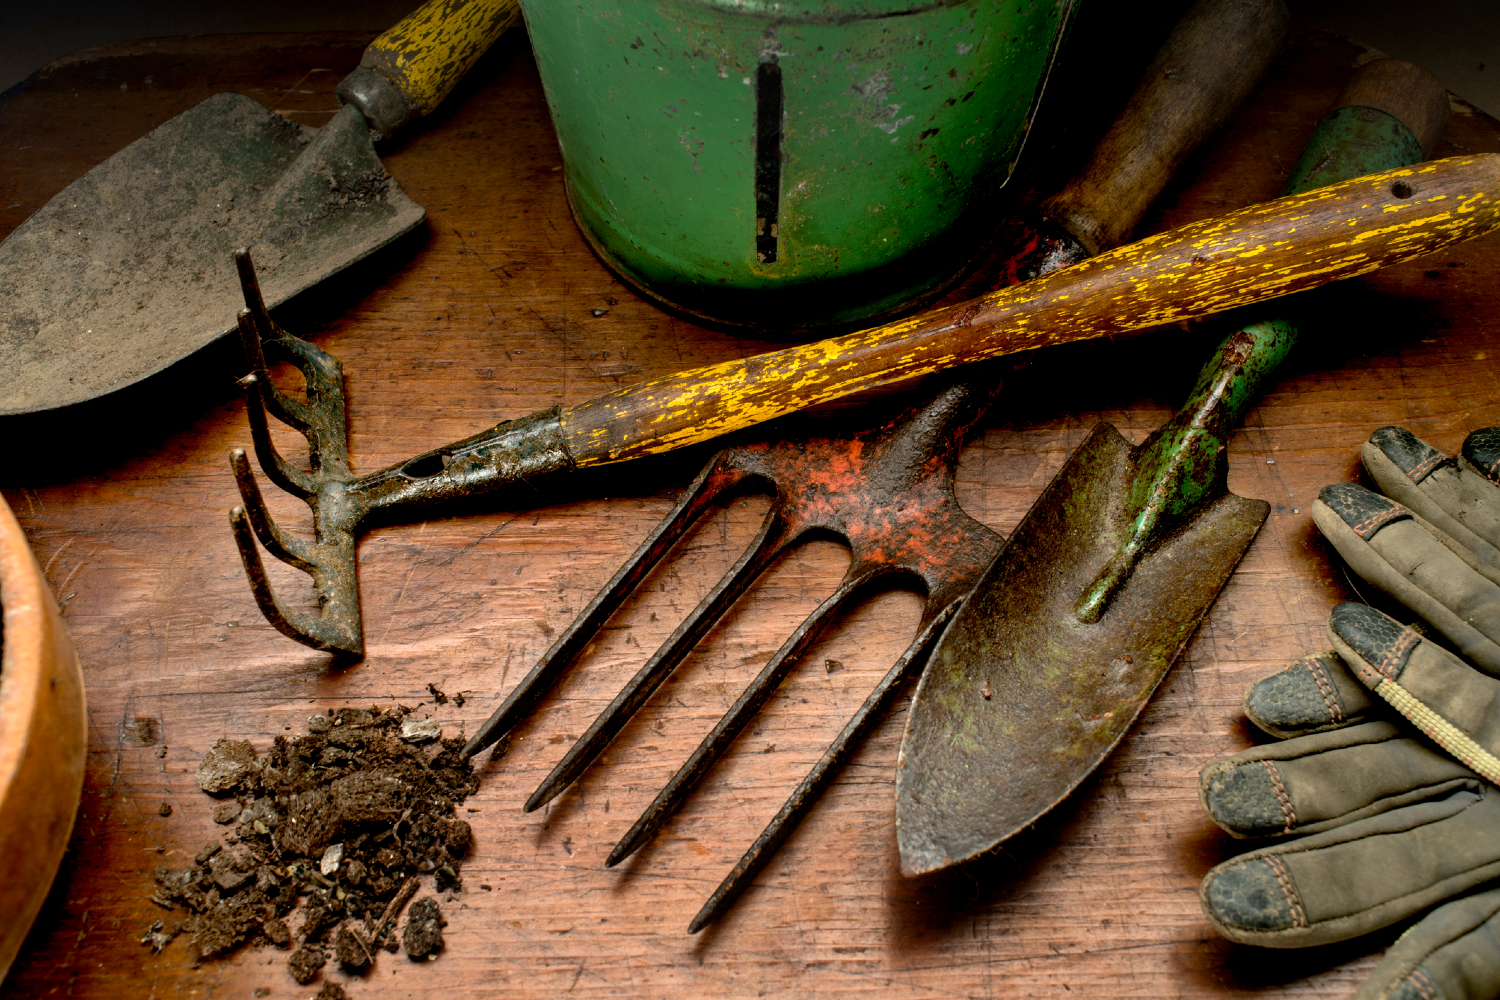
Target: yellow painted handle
(431, 48)
(1256, 253)
(406, 72)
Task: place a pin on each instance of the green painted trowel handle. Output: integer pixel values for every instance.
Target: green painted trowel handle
(1389, 115)
(1184, 464)
(408, 70)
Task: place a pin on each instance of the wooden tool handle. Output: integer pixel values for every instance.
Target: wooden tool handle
(1211, 61)
(1390, 114)
(1404, 91)
(1257, 253)
(44, 737)
(408, 70)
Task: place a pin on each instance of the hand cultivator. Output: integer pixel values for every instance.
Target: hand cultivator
(1288, 245)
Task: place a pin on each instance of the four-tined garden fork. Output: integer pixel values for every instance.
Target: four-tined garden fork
(888, 493)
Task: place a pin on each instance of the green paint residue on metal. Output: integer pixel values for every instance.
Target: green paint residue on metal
(899, 124)
(1183, 465)
(1352, 142)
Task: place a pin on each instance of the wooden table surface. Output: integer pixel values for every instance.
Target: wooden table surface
(491, 314)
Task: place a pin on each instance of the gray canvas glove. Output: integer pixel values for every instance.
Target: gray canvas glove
(1394, 824)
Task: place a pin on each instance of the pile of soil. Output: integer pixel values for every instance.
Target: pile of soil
(331, 831)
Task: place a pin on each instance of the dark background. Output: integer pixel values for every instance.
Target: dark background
(1458, 41)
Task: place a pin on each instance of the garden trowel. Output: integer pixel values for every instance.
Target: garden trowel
(1105, 580)
(129, 268)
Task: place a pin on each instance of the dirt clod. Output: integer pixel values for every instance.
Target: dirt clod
(331, 991)
(327, 834)
(277, 932)
(229, 764)
(424, 928)
(305, 963)
(352, 949)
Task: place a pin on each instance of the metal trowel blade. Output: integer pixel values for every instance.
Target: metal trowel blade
(1020, 701)
(129, 268)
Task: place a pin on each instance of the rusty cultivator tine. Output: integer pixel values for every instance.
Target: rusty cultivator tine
(511, 452)
(888, 492)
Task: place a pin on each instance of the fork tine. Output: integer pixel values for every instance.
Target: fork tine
(276, 468)
(293, 624)
(713, 482)
(257, 327)
(806, 793)
(755, 695)
(768, 544)
(289, 550)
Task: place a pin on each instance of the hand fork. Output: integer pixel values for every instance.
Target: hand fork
(888, 492)
(512, 452)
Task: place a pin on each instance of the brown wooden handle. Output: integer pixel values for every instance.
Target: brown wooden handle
(1275, 248)
(1208, 65)
(1403, 90)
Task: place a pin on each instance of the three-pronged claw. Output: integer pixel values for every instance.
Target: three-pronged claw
(515, 451)
(329, 561)
(889, 493)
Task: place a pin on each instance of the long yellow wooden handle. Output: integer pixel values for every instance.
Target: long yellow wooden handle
(408, 70)
(1270, 249)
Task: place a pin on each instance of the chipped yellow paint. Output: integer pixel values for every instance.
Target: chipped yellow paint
(1270, 249)
(430, 49)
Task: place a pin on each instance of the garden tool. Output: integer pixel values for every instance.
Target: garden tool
(1205, 69)
(859, 488)
(127, 270)
(1105, 580)
(1276, 248)
(1389, 741)
(888, 493)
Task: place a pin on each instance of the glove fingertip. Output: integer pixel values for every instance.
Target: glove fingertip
(1450, 954)
(1375, 645)
(1303, 698)
(1252, 901)
(1413, 457)
(1482, 450)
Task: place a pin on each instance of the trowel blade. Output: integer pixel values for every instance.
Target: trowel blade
(129, 268)
(1020, 701)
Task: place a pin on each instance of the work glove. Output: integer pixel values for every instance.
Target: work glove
(1375, 822)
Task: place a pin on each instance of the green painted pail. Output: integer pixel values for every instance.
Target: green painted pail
(791, 165)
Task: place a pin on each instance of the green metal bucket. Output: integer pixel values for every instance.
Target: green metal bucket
(795, 165)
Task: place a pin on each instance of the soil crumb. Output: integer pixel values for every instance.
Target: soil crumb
(424, 929)
(305, 963)
(327, 837)
(331, 991)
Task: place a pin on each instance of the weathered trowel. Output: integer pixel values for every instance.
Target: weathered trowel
(1031, 686)
(129, 268)
(1104, 581)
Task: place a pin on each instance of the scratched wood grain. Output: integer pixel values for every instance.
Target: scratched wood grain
(499, 310)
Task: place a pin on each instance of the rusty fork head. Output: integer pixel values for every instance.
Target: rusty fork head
(887, 492)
